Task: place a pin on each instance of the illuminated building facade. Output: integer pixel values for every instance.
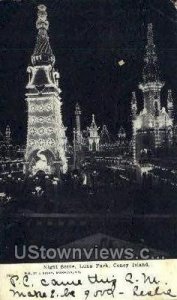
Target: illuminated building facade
(94, 138)
(99, 145)
(46, 140)
(153, 125)
(9, 151)
(11, 155)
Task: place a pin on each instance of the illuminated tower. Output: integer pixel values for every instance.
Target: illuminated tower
(152, 127)
(46, 140)
(94, 138)
(78, 126)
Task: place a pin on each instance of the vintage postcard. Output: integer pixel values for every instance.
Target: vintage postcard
(88, 149)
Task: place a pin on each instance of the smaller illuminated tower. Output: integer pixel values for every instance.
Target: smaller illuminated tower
(94, 138)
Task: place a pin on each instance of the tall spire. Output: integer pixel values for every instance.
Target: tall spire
(93, 127)
(93, 124)
(151, 68)
(93, 119)
(43, 54)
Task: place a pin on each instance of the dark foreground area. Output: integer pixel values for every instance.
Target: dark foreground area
(50, 213)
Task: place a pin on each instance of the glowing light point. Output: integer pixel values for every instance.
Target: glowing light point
(121, 63)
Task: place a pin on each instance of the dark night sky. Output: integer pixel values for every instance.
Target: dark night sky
(88, 38)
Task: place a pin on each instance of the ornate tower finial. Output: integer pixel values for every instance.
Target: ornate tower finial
(93, 125)
(42, 23)
(42, 53)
